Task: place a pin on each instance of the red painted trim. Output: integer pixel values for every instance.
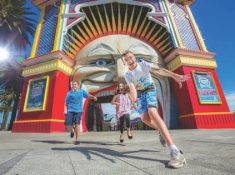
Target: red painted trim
(84, 119)
(208, 122)
(104, 89)
(188, 103)
(39, 127)
(86, 103)
(57, 90)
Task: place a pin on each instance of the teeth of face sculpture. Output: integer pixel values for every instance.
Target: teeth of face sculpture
(99, 65)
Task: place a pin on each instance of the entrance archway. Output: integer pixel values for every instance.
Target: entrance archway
(95, 118)
(103, 31)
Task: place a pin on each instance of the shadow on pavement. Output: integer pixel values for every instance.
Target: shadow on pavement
(107, 154)
(102, 143)
(84, 142)
(51, 141)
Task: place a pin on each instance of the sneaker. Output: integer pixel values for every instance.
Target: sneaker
(162, 141)
(177, 159)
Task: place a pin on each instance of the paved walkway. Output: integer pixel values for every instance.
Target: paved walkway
(207, 152)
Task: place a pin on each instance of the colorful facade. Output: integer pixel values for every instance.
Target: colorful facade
(83, 39)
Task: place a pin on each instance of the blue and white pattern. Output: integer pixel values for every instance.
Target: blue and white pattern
(146, 100)
(184, 27)
(46, 41)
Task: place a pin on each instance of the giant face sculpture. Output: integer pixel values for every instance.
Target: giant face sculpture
(99, 65)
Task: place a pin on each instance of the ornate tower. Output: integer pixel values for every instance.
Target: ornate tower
(201, 103)
(74, 33)
(46, 73)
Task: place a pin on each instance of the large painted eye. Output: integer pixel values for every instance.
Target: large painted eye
(102, 62)
(147, 59)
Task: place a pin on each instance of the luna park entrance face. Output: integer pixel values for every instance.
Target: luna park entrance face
(99, 67)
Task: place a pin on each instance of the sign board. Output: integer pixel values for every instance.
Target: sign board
(206, 89)
(36, 94)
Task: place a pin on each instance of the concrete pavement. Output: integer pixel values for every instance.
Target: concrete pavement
(100, 153)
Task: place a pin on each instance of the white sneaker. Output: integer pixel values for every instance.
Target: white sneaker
(177, 159)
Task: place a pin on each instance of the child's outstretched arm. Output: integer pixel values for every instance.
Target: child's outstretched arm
(164, 72)
(65, 105)
(65, 108)
(133, 92)
(92, 97)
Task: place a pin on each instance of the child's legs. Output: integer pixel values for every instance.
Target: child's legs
(69, 122)
(77, 131)
(147, 120)
(69, 128)
(145, 100)
(155, 117)
(128, 124)
(77, 119)
(121, 119)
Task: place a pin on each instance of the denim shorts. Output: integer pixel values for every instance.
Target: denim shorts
(73, 118)
(147, 99)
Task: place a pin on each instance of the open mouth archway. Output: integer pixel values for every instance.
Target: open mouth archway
(94, 117)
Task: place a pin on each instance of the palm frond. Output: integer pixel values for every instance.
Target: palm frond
(17, 23)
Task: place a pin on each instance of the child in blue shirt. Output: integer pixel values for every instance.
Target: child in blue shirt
(73, 109)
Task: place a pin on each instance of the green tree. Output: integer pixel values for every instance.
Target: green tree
(16, 23)
(11, 83)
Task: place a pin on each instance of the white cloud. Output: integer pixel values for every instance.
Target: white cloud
(230, 97)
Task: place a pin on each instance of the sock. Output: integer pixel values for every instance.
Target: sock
(173, 147)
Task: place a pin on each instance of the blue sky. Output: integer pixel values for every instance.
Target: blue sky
(216, 23)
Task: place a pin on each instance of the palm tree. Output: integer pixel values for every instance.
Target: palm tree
(10, 83)
(17, 25)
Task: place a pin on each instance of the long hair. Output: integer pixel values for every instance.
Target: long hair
(118, 89)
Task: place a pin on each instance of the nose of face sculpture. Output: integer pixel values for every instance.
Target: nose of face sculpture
(121, 68)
